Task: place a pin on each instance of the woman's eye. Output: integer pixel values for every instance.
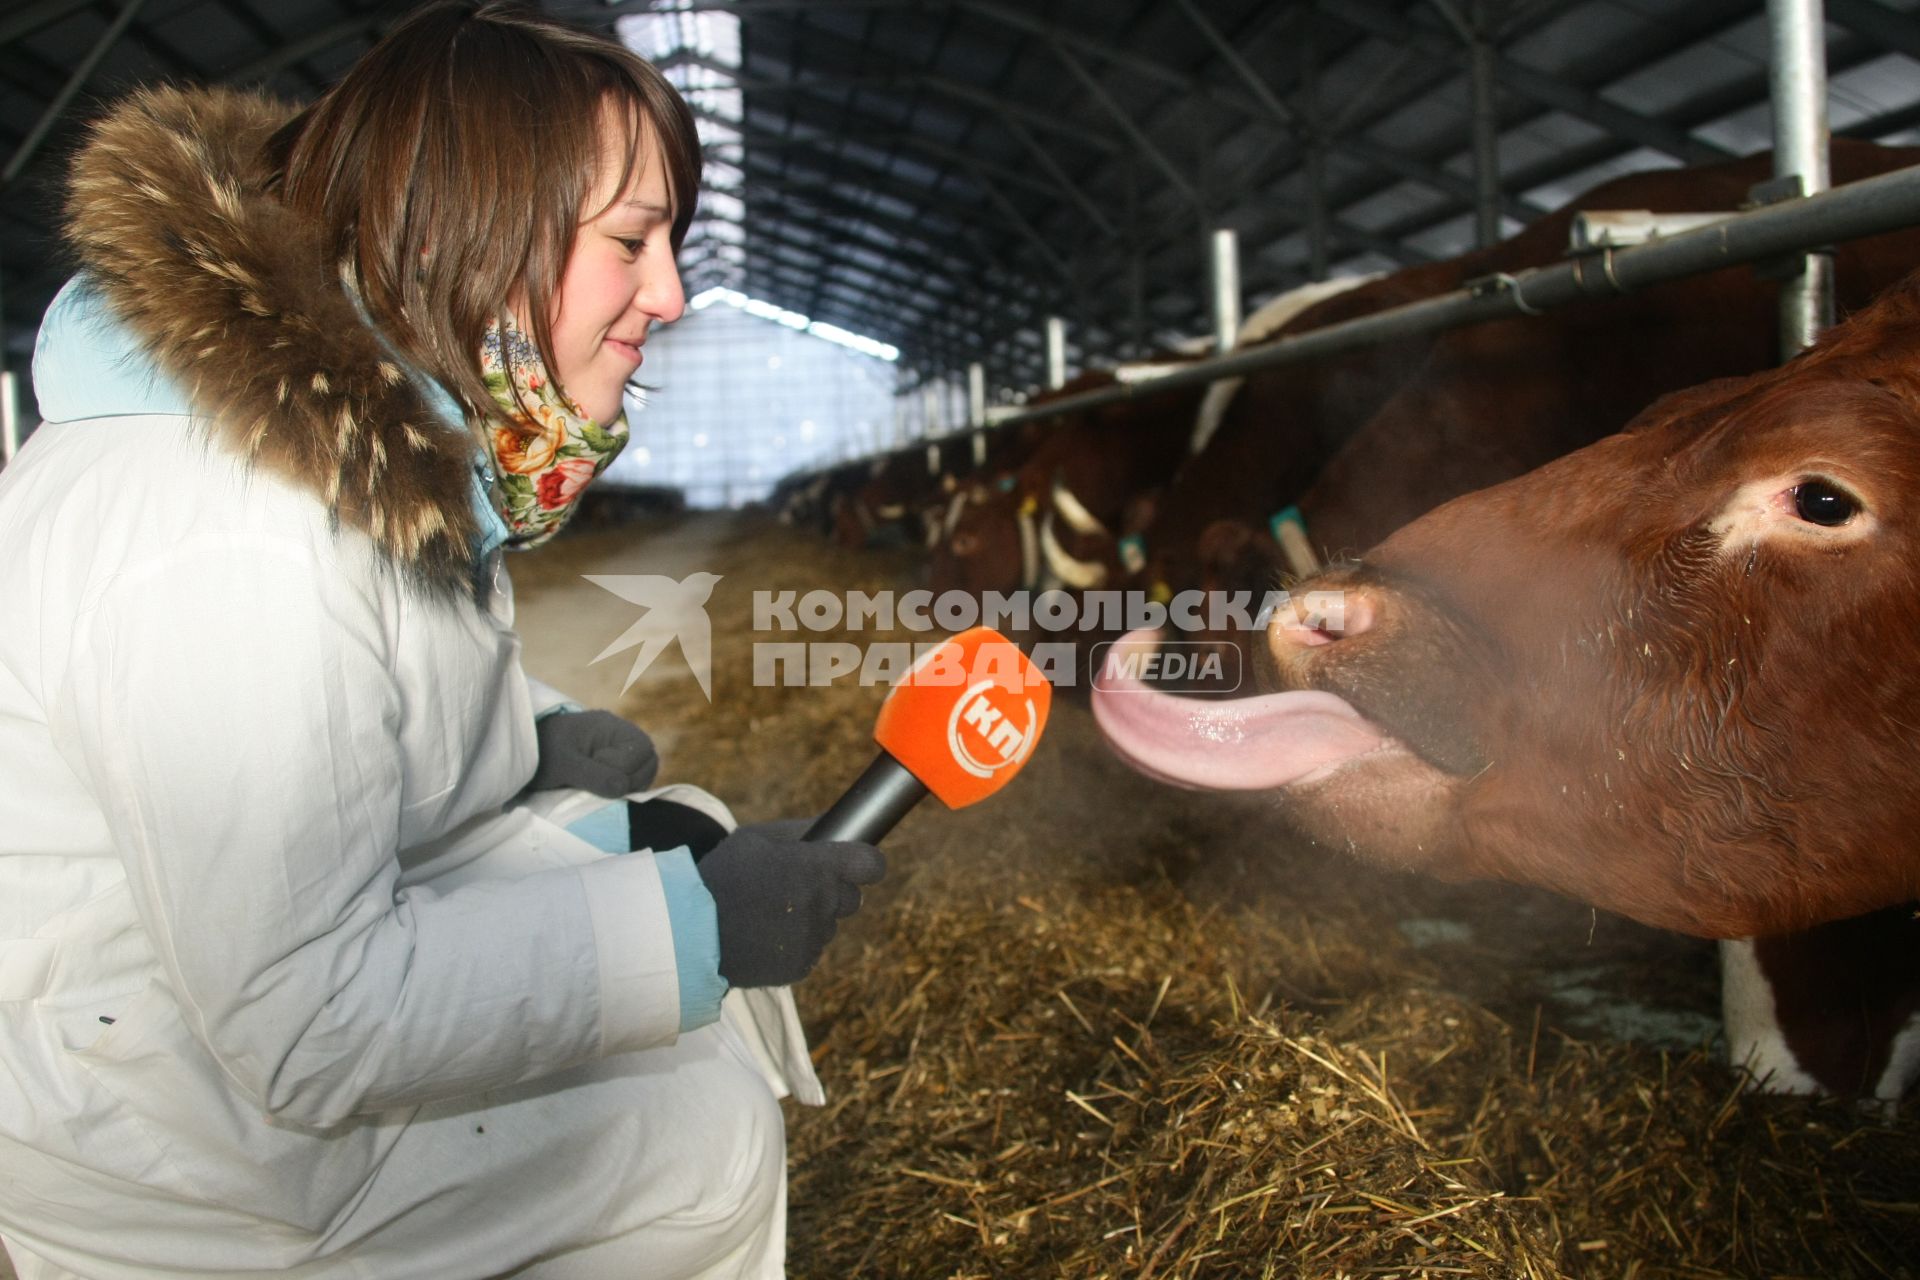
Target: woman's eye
(1821, 503)
(632, 246)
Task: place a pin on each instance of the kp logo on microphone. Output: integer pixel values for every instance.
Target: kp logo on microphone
(991, 728)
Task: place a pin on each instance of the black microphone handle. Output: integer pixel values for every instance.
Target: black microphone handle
(877, 800)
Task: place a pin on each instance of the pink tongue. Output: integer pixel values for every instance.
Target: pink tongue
(1247, 744)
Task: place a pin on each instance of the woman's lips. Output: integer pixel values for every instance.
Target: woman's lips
(631, 350)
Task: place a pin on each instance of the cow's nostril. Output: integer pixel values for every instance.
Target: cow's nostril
(1351, 615)
(1322, 617)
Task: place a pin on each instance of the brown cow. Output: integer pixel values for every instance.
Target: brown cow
(1675, 674)
(1057, 519)
(1367, 441)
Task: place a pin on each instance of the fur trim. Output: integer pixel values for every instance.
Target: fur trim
(232, 297)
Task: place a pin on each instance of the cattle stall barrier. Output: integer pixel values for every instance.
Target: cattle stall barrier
(1871, 206)
(1797, 80)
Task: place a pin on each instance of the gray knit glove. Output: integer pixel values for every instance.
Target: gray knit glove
(779, 898)
(594, 751)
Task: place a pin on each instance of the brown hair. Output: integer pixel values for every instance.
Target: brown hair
(450, 168)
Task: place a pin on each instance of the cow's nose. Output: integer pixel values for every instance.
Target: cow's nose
(1318, 618)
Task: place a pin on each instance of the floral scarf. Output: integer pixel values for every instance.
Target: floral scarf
(546, 459)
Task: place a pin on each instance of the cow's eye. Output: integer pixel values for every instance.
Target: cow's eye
(1821, 503)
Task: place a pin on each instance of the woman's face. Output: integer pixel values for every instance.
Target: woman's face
(620, 279)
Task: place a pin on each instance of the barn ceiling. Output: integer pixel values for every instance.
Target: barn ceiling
(942, 175)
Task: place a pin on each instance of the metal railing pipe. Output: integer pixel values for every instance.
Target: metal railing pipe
(1797, 79)
(1871, 206)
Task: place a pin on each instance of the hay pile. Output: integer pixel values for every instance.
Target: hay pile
(1043, 1059)
(1075, 1084)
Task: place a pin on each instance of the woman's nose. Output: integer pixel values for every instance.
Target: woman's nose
(662, 296)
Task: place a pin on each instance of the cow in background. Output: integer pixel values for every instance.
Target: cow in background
(1675, 674)
(1057, 520)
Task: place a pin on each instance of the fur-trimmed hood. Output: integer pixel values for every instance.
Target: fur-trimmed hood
(230, 296)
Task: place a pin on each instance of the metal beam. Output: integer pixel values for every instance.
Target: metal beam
(1262, 92)
(1708, 19)
(911, 194)
(373, 21)
(1067, 184)
(1888, 28)
(1026, 229)
(834, 200)
(829, 145)
(1379, 20)
(1099, 94)
(968, 307)
(828, 83)
(834, 257)
(1361, 148)
(75, 82)
(30, 19)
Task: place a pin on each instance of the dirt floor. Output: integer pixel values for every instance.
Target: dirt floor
(1015, 1029)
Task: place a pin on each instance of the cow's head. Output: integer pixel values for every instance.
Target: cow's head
(980, 544)
(1675, 674)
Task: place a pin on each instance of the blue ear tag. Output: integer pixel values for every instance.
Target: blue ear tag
(1289, 515)
(1133, 552)
(1007, 482)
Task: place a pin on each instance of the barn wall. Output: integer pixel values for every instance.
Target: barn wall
(738, 401)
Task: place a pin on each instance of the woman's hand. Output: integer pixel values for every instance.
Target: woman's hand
(779, 898)
(594, 751)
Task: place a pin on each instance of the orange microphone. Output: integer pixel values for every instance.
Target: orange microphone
(960, 724)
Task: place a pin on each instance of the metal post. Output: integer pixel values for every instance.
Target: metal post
(1799, 83)
(1486, 144)
(1472, 27)
(1319, 215)
(1056, 352)
(1226, 289)
(976, 394)
(1319, 238)
(9, 417)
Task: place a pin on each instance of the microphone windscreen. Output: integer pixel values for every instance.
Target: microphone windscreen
(965, 718)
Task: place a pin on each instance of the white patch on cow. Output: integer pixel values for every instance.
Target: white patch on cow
(1262, 324)
(1148, 371)
(1762, 512)
(1754, 1038)
(1029, 551)
(1083, 575)
(954, 508)
(1903, 1066)
(1075, 512)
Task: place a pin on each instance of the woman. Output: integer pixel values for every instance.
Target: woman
(297, 975)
